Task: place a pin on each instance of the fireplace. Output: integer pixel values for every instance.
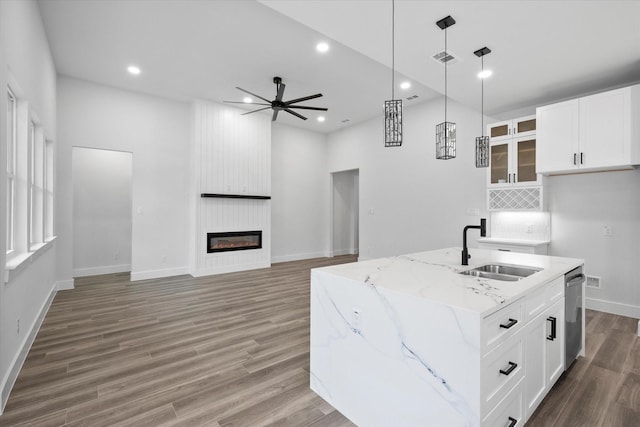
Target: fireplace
(234, 241)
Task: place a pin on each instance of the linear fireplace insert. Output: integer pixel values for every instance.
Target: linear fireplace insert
(234, 241)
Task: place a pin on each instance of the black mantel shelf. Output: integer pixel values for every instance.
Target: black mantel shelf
(235, 196)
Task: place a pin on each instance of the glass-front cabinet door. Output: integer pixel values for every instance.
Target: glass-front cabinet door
(525, 167)
(500, 173)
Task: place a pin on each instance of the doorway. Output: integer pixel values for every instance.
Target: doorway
(345, 212)
(102, 216)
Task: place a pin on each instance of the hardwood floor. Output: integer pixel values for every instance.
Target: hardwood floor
(233, 350)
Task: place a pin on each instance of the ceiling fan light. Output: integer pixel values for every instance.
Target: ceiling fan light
(405, 85)
(247, 100)
(321, 119)
(484, 74)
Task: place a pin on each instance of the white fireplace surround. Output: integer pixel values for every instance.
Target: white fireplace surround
(231, 155)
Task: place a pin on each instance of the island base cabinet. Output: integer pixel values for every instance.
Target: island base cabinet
(509, 412)
(544, 354)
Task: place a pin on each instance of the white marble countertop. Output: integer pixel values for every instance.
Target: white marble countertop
(433, 275)
(507, 241)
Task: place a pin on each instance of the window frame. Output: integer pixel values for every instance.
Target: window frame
(12, 147)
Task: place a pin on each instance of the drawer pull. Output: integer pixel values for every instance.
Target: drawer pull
(553, 335)
(509, 324)
(512, 422)
(510, 369)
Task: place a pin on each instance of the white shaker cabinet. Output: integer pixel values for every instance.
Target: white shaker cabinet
(592, 133)
(544, 343)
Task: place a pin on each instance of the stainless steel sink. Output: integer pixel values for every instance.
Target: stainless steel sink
(505, 272)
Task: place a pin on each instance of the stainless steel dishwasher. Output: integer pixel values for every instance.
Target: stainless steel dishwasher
(573, 314)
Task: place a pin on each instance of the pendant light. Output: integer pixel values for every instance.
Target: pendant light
(445, 131)
(393, 108)
(482, 141)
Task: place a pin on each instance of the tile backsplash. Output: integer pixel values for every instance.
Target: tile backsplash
(521, 225)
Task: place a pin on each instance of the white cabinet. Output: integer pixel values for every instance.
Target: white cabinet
(544, 344)
(513, 153)
(523, 126)
(592, 133)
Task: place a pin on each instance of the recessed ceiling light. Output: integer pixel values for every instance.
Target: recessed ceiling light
(484, 74)
(322, 47)
(132, 69)
(247, 100)
(321, 119)
(405, 85)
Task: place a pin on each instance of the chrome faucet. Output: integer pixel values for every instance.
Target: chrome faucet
(483, 233)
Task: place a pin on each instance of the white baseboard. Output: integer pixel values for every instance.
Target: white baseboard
(106, 269)
(16, 364)
(65, 285)
(613, 307)
(351, 251)
(230, 269)
(297, 257)
(155, 274)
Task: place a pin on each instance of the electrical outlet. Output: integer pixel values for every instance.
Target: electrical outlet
(607, 230)
(356, 320)
(372, 211)
(163, 259)
(18, 326)
(116, 256)
(529, 228)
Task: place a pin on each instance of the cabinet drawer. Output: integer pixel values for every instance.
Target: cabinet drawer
(501, 325)
(535, 303)
(508, 412)
(501, 371)
(555, 290)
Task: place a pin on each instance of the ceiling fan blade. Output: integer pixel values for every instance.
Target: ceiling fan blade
(255, 111)
(304, 98)
(275, 115)
(302, 107)
(295, 114)
(246, 103)
(281, 87)
(253, 94)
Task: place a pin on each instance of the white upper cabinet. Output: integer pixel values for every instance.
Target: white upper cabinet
(591, 133)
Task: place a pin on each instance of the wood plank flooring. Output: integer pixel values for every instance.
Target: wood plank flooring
(233, 350)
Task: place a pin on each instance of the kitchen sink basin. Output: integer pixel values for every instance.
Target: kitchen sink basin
(504, 272)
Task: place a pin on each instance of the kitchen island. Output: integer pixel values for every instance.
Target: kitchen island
(407, 341)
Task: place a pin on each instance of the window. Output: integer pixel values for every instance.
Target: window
(11, 170)
(48, 190)
(36, 185)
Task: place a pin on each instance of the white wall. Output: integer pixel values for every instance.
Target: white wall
(580, 206)
(300, 194)
(102, 181)
(156, 131)
(345, 212)
(418, 202)
(24, 51)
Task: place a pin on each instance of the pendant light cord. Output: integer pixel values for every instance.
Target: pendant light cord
(445, 77)
(482, 100)
(393, 49)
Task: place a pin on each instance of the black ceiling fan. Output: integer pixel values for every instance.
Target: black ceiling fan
(278, 104)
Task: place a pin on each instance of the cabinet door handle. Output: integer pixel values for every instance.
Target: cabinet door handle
(575, 161)
(552, 336)
(509, 324)
(512, 422)
(510, 369)
(509, 177)
(581, 158)
(514, 178)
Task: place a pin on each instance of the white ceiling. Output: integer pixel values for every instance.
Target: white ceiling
(542, 50)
